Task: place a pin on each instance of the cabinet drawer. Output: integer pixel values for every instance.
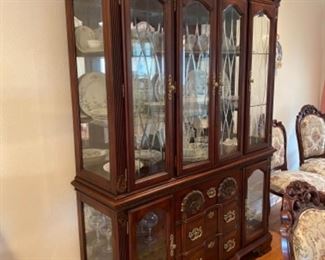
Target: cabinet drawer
(230, 218)
(196, 254)
(211, 221)
(193, 232)
(230, 245)
(212, 249)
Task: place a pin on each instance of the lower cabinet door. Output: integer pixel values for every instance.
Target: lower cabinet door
(256, 201)
(98, 230)
(151, 227)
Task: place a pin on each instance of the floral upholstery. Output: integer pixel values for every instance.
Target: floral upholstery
(315, 165)
(312, 130)
(281, 179)
(279, 145)
(309, 235)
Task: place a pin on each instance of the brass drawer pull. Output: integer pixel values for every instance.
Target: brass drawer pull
(172, 245)
(229, 245)
(195, 234)
(211, 215)
(229, 216)
(171, 87)
(212, 193)
(211, 244)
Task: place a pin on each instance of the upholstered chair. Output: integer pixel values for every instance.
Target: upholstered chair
(280, 176)
(303, 222)
(310, 128)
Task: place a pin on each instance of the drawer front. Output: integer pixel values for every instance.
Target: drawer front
(211, 221)
(212, 249)
(196, 200)
(230, 217)
(193, 233)
(197, 254)
(230, 245)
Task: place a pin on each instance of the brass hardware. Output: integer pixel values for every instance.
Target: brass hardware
(211, 215)
(229, 245)
(229, 216)
(212, 192)
(215, 84)
(195, 234)
(172, 245)
(171, 87)
(211, 244)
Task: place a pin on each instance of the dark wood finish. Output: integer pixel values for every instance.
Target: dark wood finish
(305, 111)
(298, 197)
(278, 124)
(208, 195)
(257, 7)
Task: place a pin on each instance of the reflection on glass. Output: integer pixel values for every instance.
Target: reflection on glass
(254, 202)
(229, 85)
(151, 236)
(92, 86)
(148, 80)
(99, 233)
(259, 78)
(195, 77)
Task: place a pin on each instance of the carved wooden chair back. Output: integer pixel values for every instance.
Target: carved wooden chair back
(310, 129)
(279, 143)
(301, 221)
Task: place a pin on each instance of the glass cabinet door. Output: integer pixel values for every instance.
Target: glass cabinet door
(151, 231)
(255, 202)
(259, 77)
(149, 53)
(230, 84)
(197, 29)
(91, 89)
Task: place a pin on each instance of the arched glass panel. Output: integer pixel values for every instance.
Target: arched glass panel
(195, 77)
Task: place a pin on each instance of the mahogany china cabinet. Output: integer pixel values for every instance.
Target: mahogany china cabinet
(172, 104)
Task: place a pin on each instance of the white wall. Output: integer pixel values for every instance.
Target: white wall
(299, 81)
(37, 202)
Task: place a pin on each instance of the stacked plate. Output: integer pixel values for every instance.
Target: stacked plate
(92, 96)
(89, 40)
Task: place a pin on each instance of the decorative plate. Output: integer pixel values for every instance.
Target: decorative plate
(148, 156)
(92, 156)
(85, 34)
(92, 95)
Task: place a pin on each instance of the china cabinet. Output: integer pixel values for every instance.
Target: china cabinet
(172, 103)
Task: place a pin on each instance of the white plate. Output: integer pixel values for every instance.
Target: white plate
(83, 35)
(148, 156)
(92, 95)
(92, 156)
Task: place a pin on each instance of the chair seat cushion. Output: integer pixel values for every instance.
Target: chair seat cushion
(281, 179)
(309, 235)
(316, 165)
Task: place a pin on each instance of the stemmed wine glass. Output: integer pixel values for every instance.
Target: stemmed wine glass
(96, 220)
(149, 222)
(106, 231)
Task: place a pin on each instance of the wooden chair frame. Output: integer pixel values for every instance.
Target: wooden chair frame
(298, 197)
(306, 111)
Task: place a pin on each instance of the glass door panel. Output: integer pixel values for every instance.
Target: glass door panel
(151, 231)
(98, 234)
(259, 79)
(254, 203)
(148, 86)
(229, 81)
(195, 75)
(92, 86)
